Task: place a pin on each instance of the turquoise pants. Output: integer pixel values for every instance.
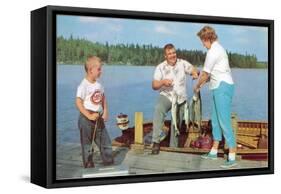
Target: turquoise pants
(221, 114)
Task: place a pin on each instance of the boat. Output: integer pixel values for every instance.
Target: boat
(251, 138)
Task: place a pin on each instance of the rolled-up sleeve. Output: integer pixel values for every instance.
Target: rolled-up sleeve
(210, 61)
(187, 67)
(158, 74)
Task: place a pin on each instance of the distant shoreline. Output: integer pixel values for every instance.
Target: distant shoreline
(76, 51)
(262, 66)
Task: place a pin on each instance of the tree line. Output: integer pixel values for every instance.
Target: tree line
(75, 51)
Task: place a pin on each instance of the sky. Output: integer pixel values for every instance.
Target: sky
(251, 40)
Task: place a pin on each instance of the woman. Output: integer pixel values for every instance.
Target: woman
(216, 69)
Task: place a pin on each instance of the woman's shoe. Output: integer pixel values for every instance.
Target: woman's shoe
(229, 164)
(209, 156)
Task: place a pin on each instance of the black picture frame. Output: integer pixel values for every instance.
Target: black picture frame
(43, 95)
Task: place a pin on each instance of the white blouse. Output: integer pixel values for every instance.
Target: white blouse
(217, 65)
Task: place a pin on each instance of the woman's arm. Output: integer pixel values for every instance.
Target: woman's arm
(204, 77)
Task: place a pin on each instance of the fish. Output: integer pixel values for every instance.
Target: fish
(195, 109)
(174, 112)
(175, 105)
(186, 113)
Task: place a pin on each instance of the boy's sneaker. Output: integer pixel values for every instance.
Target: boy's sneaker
(209, 156)
(229, 164)
(89, 164)
(162, 136)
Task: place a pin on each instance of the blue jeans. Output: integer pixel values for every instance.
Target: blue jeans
(221, 114)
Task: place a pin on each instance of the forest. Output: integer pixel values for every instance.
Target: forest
(75, 51)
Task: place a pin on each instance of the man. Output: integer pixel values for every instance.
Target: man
(170, 80)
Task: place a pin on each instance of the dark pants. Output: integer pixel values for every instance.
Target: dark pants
(88, 129)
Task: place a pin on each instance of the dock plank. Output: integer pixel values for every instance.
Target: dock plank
(69, 163)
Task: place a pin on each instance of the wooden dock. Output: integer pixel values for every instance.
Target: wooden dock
(127, 162)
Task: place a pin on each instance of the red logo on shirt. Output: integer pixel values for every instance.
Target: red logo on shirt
(96, 98)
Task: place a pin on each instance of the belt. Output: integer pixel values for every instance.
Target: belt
(92, 112)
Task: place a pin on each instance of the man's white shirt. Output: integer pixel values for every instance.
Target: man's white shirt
(177, 73)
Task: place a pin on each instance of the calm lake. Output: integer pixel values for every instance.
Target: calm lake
(128, 90)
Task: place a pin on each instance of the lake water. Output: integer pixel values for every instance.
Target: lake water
(128, 90)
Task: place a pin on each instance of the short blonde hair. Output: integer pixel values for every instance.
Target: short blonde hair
(168, 46)
(207, 33)
(91, 61)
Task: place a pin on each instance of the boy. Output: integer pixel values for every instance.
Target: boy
(91, 103)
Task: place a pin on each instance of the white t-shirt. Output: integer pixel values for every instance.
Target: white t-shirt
(177, 73)
(216, 64)
(91, 94)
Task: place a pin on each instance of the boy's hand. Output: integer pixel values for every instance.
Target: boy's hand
(93, 116)
(105, 117)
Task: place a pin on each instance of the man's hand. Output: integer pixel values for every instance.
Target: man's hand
(195, 73)
(157, 84)
(167, 82)
(93, 116)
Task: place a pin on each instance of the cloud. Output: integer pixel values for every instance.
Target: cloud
(263, 29)
(247, 35)
(110, 24)
(163, 29)
(90, 19)
(242, 30)
(115, 27)
(243, 41)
